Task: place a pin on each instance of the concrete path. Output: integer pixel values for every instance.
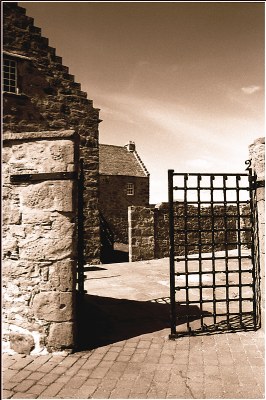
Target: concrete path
(125, 351)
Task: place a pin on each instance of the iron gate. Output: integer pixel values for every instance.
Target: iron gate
(214, 256)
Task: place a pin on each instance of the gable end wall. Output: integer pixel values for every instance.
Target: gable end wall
(50, 99)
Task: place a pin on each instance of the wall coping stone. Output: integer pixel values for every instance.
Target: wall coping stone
(62, 134)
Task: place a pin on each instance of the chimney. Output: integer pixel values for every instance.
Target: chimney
(130, 146)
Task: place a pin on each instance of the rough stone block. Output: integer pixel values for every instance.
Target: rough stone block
(61, 335)
(11, 213)
(42, 156)
(55, 243)
(10, 245)
(6, 154)
(49, 196)
(62, 275)
(21, 343)
(33, 216)
(54, 306)
(46, 249)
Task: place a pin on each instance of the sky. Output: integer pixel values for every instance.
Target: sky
(184, 81)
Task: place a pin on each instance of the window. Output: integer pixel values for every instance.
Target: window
(10, 76)
(130, 189)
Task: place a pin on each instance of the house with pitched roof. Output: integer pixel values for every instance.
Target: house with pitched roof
(123, 182)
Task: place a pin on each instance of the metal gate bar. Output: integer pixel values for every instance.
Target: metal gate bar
(215, 297)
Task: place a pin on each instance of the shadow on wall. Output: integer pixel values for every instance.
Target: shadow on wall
(106, 320)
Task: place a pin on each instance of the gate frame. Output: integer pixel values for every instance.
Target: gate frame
(254, 253)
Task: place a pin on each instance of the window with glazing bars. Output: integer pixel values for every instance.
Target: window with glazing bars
(130, 189)
(10, 76)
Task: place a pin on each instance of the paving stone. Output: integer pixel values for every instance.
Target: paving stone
(35, 364)
(7, 394)
(47, 367)
(156, 395)
(8, 373)
(108, 384)
(20, 395)
(252, 392)
(20, 376)
(113, 374)
(62, 379)
(72, 371)
(119, 394)
(76, 382)
(92, 382)
(24, 385)
(123, 358)
(90, 364)
(166, 359)
(143, 344)
(110, 356)
(107, 364)
(59, 370)
(9, 385)
(85, 392)
(99, 372)
(256, 361)
(214, 392)
(36, 389)
(126, 383)
(101, 394)
(68, 361)
(67, 393)
(47, 379)
(127, 351)
(22, 363)
(52, 390)
(162, 376)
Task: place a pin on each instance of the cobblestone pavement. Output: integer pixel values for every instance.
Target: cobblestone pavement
(126, 352)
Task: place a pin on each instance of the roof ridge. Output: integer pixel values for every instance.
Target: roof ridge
(113, 145)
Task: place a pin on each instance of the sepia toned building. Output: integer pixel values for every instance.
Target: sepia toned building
(49, 125)
(123, 182)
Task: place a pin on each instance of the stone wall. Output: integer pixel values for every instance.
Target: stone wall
(48, 98)
(257, 157)
(152, 224)
(114, 201)
(39, 243)
(141, 233)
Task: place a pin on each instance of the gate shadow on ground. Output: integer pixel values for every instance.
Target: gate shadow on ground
(107, 320)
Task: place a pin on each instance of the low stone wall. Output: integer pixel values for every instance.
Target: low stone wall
(39, 243)
(141, 233)
(150, 227)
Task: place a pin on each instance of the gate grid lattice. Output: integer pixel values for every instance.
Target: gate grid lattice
(214, 263)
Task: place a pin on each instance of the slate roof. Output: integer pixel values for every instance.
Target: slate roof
(117, 160)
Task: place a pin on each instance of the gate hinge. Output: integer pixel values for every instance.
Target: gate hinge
(43, 177)
(257, 184)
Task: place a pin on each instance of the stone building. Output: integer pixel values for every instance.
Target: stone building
(39, 94)
(123, 182)
(48, 126)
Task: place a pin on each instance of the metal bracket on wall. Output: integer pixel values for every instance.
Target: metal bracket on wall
(258, 184)
(43, 177)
